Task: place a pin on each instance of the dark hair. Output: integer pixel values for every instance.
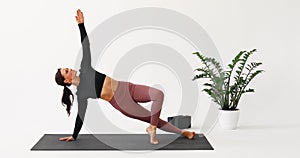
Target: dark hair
(65, 100)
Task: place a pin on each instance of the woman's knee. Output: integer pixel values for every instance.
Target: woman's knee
(156, 94)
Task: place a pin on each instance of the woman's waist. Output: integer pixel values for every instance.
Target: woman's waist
(109, 88)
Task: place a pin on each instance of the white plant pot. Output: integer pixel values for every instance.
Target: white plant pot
(229, 118)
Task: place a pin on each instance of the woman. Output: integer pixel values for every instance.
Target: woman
(121, 95)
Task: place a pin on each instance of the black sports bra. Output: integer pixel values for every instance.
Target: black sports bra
(99, 80)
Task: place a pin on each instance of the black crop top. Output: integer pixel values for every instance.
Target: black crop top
(91, 81)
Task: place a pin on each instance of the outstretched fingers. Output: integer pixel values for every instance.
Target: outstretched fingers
(70, 138)
(79, 13)
(63, 138)
(79, 17)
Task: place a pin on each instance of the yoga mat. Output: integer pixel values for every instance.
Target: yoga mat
(122, 142)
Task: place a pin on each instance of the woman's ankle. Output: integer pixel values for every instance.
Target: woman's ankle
(152, 127)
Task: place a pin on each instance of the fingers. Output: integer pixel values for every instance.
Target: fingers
(79, 17)
(63, 138)
(79, 12)
(70, 138)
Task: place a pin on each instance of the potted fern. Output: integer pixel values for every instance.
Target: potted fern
(226, 87)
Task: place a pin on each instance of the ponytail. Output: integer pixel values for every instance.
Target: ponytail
(65, 100)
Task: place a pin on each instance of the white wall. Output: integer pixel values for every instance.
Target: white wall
(39, 36)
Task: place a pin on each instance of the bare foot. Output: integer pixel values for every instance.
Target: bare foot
(188, 134)
(151, 130)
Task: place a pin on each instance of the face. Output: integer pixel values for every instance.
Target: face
(68, 74)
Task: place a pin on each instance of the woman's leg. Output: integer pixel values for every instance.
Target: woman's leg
(142, 93)
(126, 98)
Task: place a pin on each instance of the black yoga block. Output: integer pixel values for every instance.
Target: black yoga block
(180, 121)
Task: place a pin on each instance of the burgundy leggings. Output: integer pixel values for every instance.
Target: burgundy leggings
(127, 96)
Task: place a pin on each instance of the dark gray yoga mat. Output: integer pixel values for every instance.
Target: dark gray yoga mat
(122, 142)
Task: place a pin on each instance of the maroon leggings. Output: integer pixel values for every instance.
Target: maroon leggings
(127, 96)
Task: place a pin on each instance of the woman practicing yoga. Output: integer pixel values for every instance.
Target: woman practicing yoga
(121, 95)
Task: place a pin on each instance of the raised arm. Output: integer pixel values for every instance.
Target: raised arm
(86, 57)
(85, 64)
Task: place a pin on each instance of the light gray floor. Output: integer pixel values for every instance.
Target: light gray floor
(249, 140)
(256, 140)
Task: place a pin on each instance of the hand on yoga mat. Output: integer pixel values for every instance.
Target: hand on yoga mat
(70, 138)
(79, 17)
